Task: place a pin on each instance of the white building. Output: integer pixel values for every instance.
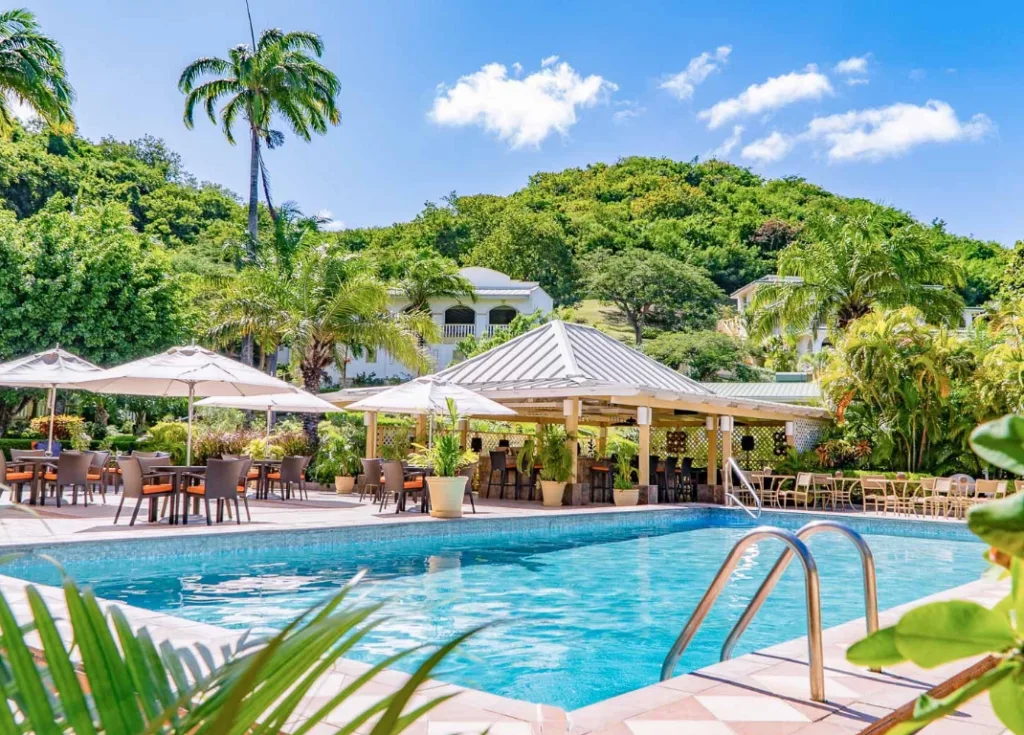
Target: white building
(499, 299)
(807, 343)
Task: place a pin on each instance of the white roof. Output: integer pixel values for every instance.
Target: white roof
(744, 290)
(559, 354)
(429, 395)
(298, 402)
(486, 279)
(801, 392)
(52, 368)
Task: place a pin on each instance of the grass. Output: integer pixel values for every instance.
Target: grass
(593, 313)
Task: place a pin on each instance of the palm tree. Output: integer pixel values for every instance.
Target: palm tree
(326, 307)
(845, 268)
(433, 277)
(275, 76)
(32, 72)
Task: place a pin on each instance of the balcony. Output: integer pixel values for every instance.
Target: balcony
(458, 331)
(493, 329)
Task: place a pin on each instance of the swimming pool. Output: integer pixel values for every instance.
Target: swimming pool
(584, 607)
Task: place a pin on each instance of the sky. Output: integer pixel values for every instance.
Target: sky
(912, 104)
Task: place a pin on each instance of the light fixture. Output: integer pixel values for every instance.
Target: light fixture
(709, 423)
(643, 415)
(789, 428)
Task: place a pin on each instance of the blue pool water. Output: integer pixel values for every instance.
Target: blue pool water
(582, 609)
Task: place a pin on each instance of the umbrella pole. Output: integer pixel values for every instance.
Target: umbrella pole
(269, 412)
(53, 411)
(191, 399)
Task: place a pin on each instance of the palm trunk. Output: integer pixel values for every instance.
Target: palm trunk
(311, 382)
(254, 194)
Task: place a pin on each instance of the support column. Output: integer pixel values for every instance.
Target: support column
(370, 419)
(643, 420)
(790, 435)
(571, 408)
(726, 423)
(711, 426)
(602, 441)
(464, 433)
(421, 428)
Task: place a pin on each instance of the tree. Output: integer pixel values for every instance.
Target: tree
(472, 345)
(326, 307)
(653, 288)
(274, 76)
(845, 268)
(429, 277)
(32, 72)
(704, 355)
(1013, 276)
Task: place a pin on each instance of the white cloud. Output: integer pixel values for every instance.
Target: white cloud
(776, 92)
(916, 75)
(517, 69)
(522, 111)
(549, 60)
(628, 109)
(682, 84)
(852, 65)
(729, 143)
(884, 132)
(856, 82)
(330, 224)
(766, 150)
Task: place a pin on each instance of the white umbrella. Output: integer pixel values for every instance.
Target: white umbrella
(429, 396)
(298, 402)
(186, 372)
(53, 369)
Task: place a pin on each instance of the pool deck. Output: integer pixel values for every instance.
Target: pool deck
(764, 692)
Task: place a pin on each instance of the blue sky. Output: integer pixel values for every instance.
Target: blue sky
(925, 115)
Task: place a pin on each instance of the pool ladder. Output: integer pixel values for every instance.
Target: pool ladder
(796, 547)
(731, 499)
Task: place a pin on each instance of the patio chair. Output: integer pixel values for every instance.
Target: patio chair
(802, 490)
(244, 478)
(96, 474)
(291, 474)
(686, 486)
(71, 470)
(842, 493)
(221, 483)
(150, 455)
(917, 503)
(17, 476)
(873, 492)
(940, 498)
(960, 494)
(396, 484)
(501, 467)
(600, 480)
(138, 484)
(671, 485)
(468, 473)
(986, 491)
(372, 479)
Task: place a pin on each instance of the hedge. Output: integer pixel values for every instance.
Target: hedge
(123, 443)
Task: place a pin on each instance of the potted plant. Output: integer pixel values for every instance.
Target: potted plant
(447, 458)
(338, 457)
(556, 463)
(623, 490)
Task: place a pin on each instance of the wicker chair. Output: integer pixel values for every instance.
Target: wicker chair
(372, 476)
(139, 484)
(71, 470)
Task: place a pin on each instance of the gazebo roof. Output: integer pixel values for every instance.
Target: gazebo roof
(563, 355)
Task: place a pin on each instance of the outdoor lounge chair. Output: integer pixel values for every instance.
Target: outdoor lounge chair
(138, 483)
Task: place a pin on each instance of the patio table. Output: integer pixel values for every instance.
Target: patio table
(760, 479)
(839, 487)
(177, 473)
(36, 486)
(262, 482)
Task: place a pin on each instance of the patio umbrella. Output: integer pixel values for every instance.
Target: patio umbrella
(51, 369)
(298, 402)
(186, 372)
(430, 396)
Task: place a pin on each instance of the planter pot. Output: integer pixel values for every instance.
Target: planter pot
(626, 497)
(344, 484)
(553, 492)
(446, 495)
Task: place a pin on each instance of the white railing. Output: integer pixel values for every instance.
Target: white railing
(459, 331)
(493, 329)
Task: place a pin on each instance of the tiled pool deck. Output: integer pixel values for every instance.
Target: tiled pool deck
(763, 692)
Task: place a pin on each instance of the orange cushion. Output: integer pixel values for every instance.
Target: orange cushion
(253, 475)
(18, 476)
(274, 476)
(93, 477)
(416, 484)
(161, 488)
(51, 476)
(599, 468)
(196, 489)
(241, 488)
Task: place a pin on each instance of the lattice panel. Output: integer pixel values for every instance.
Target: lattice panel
(808, 434)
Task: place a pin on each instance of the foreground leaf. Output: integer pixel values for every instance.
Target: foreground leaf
(1007, 698)
(929, 709)
(878, 649)
(1000, 523)
(1001, 443)
(940, 632)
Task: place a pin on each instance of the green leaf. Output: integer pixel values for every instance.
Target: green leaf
(1001, 443)
(1007, 698)
(940, 632)
(1000, 523)
(928, 709)
(27, 677)
(878, 649)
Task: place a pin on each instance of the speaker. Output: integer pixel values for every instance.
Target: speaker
(747, 443)
(476, 444)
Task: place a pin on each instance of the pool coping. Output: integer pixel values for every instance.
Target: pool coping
(772, 673)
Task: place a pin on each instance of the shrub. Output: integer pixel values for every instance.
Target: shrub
(341, 448)
(65, 427)
(212, 444)
(840, 453)
(292, 443)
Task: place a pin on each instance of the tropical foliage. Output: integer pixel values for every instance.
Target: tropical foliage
(32, 72)
(705, 355)
(112, 678)
(553, 452)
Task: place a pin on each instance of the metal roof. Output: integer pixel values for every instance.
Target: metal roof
(803, 392)
(559, 354)
(490, 291)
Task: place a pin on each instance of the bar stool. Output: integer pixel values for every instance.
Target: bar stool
(601, 479)
(501, 467)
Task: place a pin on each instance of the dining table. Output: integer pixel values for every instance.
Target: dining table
(770, 484)
(36, 486)
(180, 480)
(265, 467)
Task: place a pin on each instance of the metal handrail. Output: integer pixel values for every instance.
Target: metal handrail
(747, 486)
(867, 561)
(811, 586)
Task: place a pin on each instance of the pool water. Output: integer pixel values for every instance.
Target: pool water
(578, 614)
